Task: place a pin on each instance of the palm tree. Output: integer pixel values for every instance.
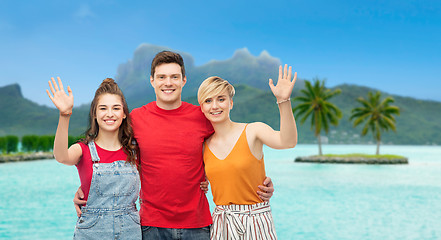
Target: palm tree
(377, 114)
(314, 104)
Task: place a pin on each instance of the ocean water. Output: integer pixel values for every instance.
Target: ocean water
(311, 201)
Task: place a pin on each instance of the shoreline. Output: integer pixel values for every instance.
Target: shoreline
(351, 160)
(26, 157)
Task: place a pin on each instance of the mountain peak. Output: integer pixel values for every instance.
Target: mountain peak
(12, 90)
(242, 53)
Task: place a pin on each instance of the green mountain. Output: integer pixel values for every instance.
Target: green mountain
(21, 116)
(418, 123)
(134, 76)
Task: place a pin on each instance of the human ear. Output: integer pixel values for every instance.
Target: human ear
(152, 81)
(184, 80)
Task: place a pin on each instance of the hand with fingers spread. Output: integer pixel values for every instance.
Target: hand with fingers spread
(282, 91)
(64, 102)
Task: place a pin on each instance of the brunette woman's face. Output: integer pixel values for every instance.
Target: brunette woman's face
(109, 112)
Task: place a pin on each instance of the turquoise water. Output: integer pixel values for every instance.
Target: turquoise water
(311, 201)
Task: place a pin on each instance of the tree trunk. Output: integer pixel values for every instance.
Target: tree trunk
(378, 147)
(319, 144)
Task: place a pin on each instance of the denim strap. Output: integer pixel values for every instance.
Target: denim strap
(93, 152)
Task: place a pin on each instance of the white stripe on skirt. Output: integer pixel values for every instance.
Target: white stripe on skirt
(243, 222)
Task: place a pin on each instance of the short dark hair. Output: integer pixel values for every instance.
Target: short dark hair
(167, 57)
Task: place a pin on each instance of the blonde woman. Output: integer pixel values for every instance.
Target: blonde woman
(233, 158)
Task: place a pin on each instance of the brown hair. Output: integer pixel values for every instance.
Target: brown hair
(125, 133)
(213, 86)
(167, 57)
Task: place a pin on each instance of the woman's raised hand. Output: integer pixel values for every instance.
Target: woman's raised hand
(64, 102)
(282, 91)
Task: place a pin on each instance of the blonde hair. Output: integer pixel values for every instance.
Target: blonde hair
(213, 86)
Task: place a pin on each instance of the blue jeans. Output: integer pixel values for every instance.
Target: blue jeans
(154, 233)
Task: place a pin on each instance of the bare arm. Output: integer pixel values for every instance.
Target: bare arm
(64, 103)
(287, 136)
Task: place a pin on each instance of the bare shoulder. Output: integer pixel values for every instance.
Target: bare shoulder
(75, 152)
(257, 126)
(75, 147)
(257, 129)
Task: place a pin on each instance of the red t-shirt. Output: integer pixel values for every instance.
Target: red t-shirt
(84, 166)
(170, 143)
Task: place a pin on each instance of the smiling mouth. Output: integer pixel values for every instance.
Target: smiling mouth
(109, 121)
(216, 113)
(168, 91)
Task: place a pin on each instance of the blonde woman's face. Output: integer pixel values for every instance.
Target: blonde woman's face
(217, 108)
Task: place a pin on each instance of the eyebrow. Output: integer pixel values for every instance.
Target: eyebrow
(103, 105)
(163, 74)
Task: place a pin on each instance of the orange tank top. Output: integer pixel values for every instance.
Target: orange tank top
(234, 180)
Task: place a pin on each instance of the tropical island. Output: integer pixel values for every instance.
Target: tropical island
(375, 113)
(355, 158)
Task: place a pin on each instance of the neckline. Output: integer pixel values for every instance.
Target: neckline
(171, 111)
(232, 149)
(98, 146)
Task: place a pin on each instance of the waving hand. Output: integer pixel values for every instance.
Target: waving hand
(282, 91)
(64, 102)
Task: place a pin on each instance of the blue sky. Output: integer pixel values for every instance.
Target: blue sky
(394, 46)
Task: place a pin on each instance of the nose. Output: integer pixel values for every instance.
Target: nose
(168, 81)
(109, 113)
(215, 104)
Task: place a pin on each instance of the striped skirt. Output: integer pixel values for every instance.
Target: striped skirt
(243, 222)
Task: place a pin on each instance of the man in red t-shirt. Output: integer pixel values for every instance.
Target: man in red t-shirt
(170, 134)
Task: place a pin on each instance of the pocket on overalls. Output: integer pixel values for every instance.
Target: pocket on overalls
(119, 182)
(87, 221)
(135, 217)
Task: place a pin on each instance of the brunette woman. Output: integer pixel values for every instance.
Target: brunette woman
(106, 162)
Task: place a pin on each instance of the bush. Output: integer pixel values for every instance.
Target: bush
(2, 144)
(45, 143)
(29, 143)
(11, 143)
(73, 140)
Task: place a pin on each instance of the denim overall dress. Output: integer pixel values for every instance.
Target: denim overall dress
(110, 212)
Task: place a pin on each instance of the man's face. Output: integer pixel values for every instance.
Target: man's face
(168, 83)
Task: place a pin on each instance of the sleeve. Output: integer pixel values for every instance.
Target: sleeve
(84, 148)
(209, 128)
